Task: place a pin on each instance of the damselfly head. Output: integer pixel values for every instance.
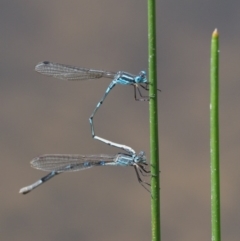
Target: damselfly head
(140, 158)
(141, 77)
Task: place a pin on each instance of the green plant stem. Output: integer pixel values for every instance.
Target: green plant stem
(214, 139)
(152, 61)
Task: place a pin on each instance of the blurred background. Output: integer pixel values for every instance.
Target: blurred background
(41, 115)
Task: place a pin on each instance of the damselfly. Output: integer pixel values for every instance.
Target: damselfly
(57, 163)
(67, 72)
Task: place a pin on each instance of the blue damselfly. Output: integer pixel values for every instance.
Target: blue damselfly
(72, 73)
(58, 163)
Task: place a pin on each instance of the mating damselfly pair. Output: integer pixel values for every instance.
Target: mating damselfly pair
(57, 163)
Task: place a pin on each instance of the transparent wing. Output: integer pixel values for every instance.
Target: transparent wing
(68, 72)
(69, 163)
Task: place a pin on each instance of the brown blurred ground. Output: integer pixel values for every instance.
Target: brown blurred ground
(42, 115)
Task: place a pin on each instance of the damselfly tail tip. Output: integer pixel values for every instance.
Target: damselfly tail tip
(24, 190)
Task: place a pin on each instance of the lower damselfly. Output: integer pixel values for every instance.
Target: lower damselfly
(57, 163)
